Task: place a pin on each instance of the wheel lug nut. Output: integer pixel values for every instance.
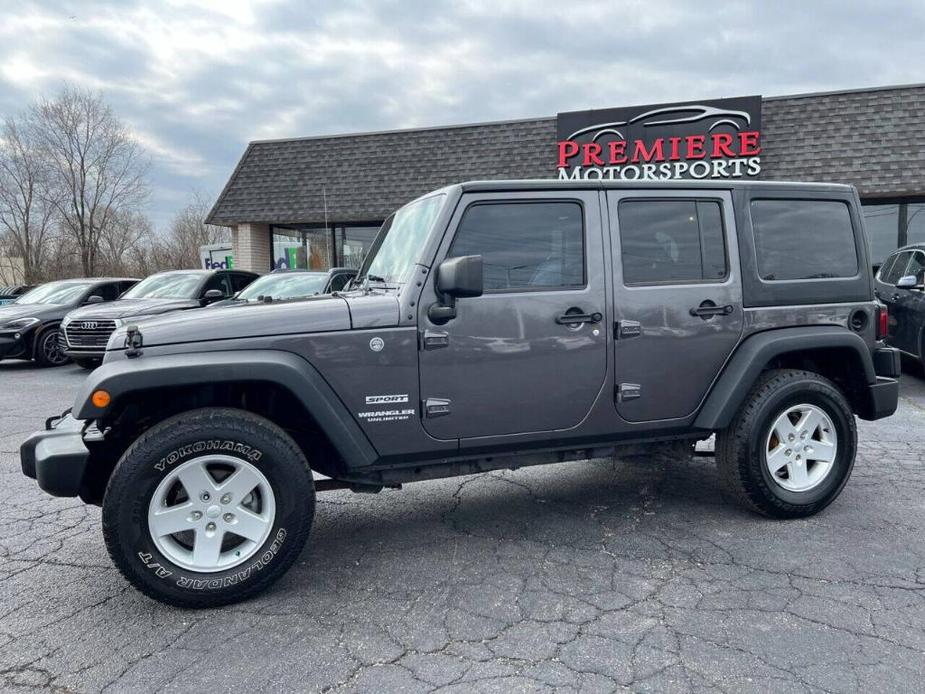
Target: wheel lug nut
(205, 496)
(788, 451)
(790, 437)
(802, 434)
(197, 515)
(210, 526)
(226, 498)
(228, 517)
(799, 457)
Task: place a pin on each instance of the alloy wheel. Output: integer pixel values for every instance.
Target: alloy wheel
(211, 513)
(801, 447)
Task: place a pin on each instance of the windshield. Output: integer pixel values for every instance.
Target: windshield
(168, 285)
(289, 285)
(399, 241)
(55, 293)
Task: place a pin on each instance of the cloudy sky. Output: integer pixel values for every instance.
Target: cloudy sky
(197, 80)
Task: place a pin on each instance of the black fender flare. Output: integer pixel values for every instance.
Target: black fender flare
(283, 369)
(749, 359)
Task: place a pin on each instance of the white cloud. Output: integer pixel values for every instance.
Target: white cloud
(197, 79)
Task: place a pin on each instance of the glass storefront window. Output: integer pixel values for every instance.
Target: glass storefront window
(882, 224)
(301, 249)
(915, 220)
(353, 243)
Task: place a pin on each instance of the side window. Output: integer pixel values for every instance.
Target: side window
(803, 239)
(524, 245)
(884, 269)
(239, 281)
(109, 292)
(898, 268)
(339, 281)
(665, 241)
(916, 267)
(125, 286)
(217, 281)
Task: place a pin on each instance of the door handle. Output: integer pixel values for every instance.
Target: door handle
(575, 316)
(708, 309)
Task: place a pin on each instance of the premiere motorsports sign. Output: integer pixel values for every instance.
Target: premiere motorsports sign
(718, 138)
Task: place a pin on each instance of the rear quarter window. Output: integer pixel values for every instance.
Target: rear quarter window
(803, 239)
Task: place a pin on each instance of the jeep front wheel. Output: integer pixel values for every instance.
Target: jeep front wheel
(791, 446)
(208, 507)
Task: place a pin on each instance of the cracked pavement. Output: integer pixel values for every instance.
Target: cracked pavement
(585, 576)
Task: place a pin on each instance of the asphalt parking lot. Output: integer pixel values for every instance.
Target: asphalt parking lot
(577, 577)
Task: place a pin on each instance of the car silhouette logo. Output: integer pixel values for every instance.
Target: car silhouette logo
(88, 324)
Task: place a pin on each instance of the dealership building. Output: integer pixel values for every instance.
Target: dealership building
(316, 202)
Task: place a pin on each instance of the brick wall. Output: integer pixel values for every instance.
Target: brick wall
(251, 247)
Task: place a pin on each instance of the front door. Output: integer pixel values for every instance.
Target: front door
(909, 306)
(516, 360)
(677, 298)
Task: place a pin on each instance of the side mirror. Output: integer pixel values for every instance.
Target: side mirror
(213, 295)
(907, 282)
(94, 299)
(456, 278)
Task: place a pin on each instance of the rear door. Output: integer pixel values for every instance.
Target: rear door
(677, 298)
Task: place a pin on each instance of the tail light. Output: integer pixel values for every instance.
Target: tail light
(883, 318)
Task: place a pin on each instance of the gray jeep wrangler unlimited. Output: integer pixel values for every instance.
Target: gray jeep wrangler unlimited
(493, 325)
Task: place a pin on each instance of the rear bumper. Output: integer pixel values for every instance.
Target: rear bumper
(887, 362)
(56, 457)
(881, 399)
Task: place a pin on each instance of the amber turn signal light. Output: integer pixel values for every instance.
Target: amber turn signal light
(100, 398)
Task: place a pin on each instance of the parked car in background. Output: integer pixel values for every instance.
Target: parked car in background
(286, 285)
(900, 284)
(29, 325)
(10, 293)
(86, 331)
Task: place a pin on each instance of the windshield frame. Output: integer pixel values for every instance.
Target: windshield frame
(439, 200)
(50, 286)
(201, 279)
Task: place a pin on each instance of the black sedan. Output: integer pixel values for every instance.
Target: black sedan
(29, 325)
(86, 330)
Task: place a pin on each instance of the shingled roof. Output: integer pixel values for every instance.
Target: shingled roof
(873, 138)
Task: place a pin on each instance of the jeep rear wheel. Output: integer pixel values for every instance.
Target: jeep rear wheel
(791, 446)
(208, 507)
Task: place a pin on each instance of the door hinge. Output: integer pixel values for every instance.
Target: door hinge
(628, 391)
(436, 407)
(624, 329)
(434, 339)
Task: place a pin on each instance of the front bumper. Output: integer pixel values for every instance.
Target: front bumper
(56, 457)
(11, 347)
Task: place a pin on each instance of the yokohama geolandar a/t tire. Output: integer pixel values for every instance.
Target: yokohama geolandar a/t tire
(208, 507)
(790, 448)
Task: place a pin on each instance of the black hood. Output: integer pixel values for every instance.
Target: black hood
(44, 312)
(129, 308)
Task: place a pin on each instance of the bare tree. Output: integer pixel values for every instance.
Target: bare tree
(26, 206)
(123, 243)
(188, 231)
(93, 163)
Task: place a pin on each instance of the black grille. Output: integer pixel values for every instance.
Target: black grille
(89, 334)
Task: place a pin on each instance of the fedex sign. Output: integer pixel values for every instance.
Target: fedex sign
(216, 256)
(719, 138)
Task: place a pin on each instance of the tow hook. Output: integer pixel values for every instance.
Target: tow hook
(133, 342)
